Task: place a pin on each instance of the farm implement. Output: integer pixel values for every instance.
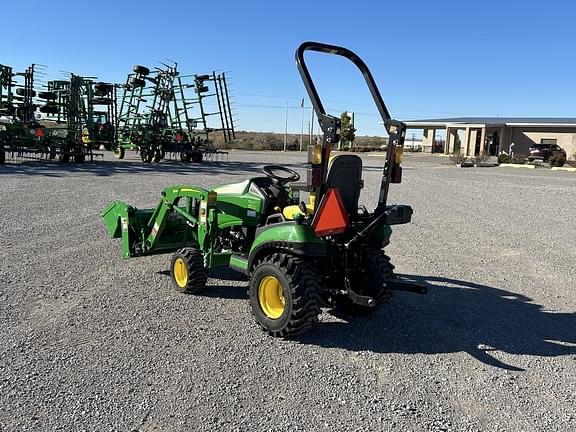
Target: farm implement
(299, 256)
(20, 132)
(65, 121)
(156, 115)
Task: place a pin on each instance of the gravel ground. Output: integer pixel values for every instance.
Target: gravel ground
(92, 342)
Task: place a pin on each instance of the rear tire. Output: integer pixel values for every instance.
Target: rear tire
(158, 155)
(285, 295)
(196, 157)
(119, 152)
(51, 152)
(187, 269)
(185, 157)
(146, 155)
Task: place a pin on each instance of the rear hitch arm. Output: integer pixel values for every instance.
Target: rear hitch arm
(358, 299)
(402, 285)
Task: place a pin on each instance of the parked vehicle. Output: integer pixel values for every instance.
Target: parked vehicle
(544, 151)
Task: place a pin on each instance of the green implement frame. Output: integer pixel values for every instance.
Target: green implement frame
(21, 135)
(162, 113)
(71, 131)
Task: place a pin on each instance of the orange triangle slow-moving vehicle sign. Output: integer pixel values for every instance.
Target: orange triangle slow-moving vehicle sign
(331, 217)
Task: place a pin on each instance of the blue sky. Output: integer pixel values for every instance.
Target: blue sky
(429, 58)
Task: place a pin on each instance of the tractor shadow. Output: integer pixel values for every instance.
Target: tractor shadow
(230, 284)
(455, 316)
(106, 168)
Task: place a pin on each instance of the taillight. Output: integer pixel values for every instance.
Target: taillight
(398, 154)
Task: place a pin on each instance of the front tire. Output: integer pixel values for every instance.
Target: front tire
(119, 152)
(285, 295)
(51, 152)
(187, 269)
(185, 157)
(158, 155)
(146, 155)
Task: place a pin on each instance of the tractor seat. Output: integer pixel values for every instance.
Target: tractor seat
(344, 174)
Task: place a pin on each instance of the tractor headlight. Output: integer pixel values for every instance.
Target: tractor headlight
(212, 196)
(315, 154)
(203, 211)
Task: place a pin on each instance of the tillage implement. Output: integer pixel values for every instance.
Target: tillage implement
(299, 256)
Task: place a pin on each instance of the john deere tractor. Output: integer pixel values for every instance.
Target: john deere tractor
(327, 252)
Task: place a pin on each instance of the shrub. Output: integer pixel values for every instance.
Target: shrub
(519, 159)
(457, 158)
(503, 158)
(572, 163)
(481, 158)
(557, 159)
(356, 149)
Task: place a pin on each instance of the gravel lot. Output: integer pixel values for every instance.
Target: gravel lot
(92, 342)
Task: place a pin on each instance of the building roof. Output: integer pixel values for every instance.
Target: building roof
(497, 121)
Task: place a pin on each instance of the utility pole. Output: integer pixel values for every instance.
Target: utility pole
(286, 127)
(311, 126)
(301, 123)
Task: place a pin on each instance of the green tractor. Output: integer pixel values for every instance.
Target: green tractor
(299, 256)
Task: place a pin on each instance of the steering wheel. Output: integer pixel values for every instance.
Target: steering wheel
(291, 177)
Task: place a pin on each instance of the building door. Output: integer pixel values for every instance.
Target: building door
(478, 143)
(493, 143)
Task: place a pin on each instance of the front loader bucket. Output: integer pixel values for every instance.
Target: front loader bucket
(124, 221)
(116, 217)
(167, 227)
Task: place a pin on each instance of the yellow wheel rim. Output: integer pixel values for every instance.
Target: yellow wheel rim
(271, 297)
(180, 272)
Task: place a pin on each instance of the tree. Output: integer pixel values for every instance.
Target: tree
(347, 129)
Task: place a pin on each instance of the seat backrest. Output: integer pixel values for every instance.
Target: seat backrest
(345, 174)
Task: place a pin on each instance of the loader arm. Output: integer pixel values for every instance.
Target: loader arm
(185, 216)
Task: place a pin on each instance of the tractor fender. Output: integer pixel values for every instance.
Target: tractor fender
(289, 237)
